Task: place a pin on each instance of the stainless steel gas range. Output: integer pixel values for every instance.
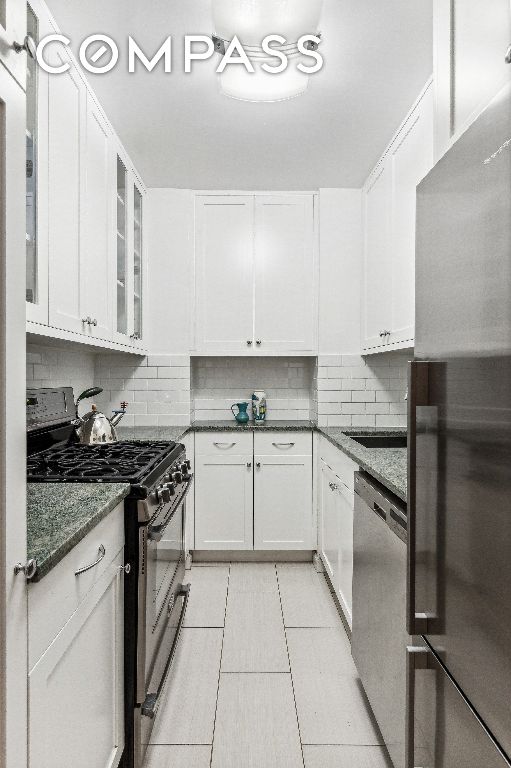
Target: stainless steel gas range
(155, 596)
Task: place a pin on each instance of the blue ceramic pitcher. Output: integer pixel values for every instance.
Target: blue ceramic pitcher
(242, 415)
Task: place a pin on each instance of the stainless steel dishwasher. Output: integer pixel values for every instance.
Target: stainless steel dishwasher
(379, 637)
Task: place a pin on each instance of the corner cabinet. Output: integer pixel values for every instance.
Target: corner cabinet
(255, 274)
(389, 199)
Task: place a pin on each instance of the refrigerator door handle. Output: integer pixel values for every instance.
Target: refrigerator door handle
(416, 658)
(417, 623)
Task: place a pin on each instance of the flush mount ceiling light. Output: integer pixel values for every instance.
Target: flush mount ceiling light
(251, 22)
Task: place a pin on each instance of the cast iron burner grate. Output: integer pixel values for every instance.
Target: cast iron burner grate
(127, 462)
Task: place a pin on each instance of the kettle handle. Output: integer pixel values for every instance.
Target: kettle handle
(91, 392)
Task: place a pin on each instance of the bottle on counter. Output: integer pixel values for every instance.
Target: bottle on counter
(259, 407)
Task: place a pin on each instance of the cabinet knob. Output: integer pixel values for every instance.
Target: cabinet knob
(86, 320)
(94, 322)
(29, 569)
(259, 342)
(258, 464)
(249, 343)
(249, 464)
(508, 56)
(28, 45)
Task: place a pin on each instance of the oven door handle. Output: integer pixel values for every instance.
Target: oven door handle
(150, 704)
(155, 532)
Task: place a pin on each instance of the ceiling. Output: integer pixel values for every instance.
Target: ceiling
(181, 132)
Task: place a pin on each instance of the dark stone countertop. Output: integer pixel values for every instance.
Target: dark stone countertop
(170, 434)
(387, 465)
(233, 426)
(59, 515)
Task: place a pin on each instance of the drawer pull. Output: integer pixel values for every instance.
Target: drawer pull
(283, 445)
(224, 445)
(101, 554)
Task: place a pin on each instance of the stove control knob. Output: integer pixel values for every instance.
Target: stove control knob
(185, 466)
(171, 488)
(165, 494)
(177, 477)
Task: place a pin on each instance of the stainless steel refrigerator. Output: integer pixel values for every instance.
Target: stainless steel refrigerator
(459, 495)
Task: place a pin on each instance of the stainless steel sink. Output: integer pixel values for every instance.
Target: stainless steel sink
(380, 441)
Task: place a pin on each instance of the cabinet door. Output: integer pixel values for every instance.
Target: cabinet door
(411, 157)
(66, 195)
(329, 533)
(377, 285)
(224, 274)
(76, 689)
(283, 502)
(471, 40)
(224, 502)
(344, 504)
(13, 28)
(285, 279)
(96, 259)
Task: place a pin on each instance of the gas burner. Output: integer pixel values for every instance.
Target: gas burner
(129, 462)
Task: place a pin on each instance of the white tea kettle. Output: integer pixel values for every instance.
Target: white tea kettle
(95, 427)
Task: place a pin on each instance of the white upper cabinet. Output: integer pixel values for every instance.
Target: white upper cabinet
(96, 260)
(67, 104)
(13, 28)
(471, 41)
(388, 302)
(377, 272)
(284, 274)
(255, 281)
(224, 267)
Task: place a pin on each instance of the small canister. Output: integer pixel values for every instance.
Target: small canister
(259, 407)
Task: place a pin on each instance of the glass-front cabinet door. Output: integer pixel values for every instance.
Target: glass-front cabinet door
(36, 289)
(137, 264)
(129, 254)
(122, 249)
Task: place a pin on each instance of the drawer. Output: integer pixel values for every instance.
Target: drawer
(235, 443)
(342, 465)
(282, 443)
(53, 600)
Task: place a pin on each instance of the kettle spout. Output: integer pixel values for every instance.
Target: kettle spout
(118, 414)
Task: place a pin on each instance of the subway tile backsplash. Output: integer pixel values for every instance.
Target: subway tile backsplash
(161, 390)
(156, 388)
(355, 391)
(218, 382)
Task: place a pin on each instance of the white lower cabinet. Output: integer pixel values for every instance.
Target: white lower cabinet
(282, 502)
(224, 501)
(260, 499)
(76, 686)
(335, 523)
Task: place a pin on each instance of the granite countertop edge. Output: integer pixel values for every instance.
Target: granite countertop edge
(50, 505)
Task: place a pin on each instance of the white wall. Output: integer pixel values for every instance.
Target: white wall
(341, 248)
(169, 248)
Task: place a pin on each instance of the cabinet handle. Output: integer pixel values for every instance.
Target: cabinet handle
(508, 56)
(283, 445)
(224, 445)
(333, 486)
(249, 464)
(125, 568)
(94, 322)
(258, 464)
(135, 336)
(416, 658)
(101, 554)
(86, 320)
(249, 343)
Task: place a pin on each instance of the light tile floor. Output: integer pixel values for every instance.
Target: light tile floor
(263, 677)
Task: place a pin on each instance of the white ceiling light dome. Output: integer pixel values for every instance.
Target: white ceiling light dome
(251, 21)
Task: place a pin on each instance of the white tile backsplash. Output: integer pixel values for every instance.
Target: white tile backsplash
(218, 382)
(157, 388)
(355, 391)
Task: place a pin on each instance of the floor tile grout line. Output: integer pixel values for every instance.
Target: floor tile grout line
(289, 661)
(220, 666)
